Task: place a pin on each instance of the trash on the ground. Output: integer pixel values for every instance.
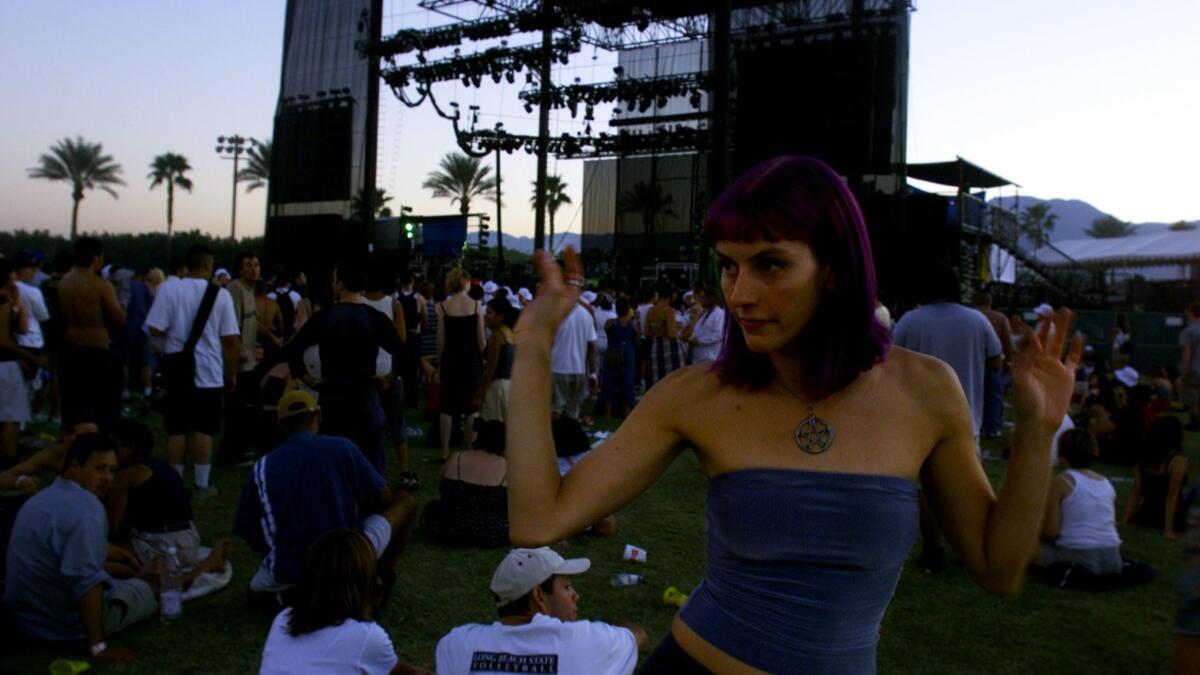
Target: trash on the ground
(634, 554)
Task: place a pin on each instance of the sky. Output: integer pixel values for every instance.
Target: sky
(1076, 99)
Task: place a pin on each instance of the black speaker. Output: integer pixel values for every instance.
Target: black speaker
(831, 96)
(311, 154)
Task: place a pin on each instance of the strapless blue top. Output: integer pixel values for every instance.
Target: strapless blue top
(801, 566)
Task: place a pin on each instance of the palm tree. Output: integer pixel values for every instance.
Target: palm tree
(1037, 222)
(258, 166)
(379, 201)
(1109, 227)
(460, 178)
(556, 196)
(84, 165)
(170, 168)
(649, 200)
(1182, 226)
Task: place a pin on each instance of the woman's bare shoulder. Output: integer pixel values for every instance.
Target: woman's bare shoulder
(915, 369)
(687, 385)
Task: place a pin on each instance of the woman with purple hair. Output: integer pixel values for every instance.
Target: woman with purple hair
(814, 434)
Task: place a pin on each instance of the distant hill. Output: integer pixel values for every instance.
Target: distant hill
(1074, 216)
(525, 244)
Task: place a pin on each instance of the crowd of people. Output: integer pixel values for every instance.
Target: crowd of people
(316, 383)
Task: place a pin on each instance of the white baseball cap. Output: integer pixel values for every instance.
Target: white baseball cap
(1044, 310)
(221, 272)
(1127, 376)
(524, 294)
(524, 568)
(588, 296)
(490, 287)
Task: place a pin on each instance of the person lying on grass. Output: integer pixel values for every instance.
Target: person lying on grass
(25, 476)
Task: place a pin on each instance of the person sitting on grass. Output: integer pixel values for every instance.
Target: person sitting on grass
(58, 588)
(1158, 480)
(148, 503)
(1080, 522)
(330, 627)
(473, 507)
(307, 486)
(539, 630)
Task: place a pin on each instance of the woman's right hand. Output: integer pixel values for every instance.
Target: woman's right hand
(557, 294)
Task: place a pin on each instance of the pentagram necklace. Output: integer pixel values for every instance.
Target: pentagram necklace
(813, 435)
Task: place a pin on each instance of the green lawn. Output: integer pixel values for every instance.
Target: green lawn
(936, 623)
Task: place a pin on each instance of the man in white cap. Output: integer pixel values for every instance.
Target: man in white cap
(489, 290)
(538, 630)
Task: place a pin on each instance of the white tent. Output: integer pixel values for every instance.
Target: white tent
(1167, 248)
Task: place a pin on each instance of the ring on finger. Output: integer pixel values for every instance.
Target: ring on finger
(578, 283)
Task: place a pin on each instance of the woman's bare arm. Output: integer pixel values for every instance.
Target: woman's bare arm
(479, 339)
(439, 311)
(1135, 496)
(995, 536)
(489, 368)
(544, 508)
(1177, 472)
(1052, 521)
(398, 320)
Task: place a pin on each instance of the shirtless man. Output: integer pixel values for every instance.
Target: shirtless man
(89, 382)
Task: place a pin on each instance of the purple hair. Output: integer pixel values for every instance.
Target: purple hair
(802, 198)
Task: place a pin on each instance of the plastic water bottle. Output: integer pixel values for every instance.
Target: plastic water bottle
(626, 579)
(171, 598)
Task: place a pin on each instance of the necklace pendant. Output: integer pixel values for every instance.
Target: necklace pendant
(814, 435)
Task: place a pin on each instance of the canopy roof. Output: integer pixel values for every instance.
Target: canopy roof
(1167, 248)
(960, 174)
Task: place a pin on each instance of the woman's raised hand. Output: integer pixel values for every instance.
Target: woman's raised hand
(556, 295)
(1043, 380)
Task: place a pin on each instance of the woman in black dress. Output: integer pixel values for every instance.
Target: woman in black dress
(460, 343)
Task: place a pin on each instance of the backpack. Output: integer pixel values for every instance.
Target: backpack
(408, 303)
(287, 312)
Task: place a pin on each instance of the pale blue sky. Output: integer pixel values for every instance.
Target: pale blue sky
(1095, 100)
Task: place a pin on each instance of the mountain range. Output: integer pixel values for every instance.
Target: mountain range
(525, 244)
(1075, 216)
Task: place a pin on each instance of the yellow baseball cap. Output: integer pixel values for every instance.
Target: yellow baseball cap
(296, 402)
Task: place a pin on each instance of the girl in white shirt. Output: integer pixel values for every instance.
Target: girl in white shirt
(331, 629)
(1080, 525)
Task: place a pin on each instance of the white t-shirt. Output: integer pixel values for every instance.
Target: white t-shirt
(352, 648)
(383, 360)
(707, 334)
(36, 304)
(602, 316)
(173, 311)
(569, 351)
(544, 645)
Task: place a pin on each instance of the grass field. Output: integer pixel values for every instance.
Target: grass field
(936, 623)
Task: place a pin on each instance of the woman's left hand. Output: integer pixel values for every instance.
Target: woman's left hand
(1042, 380)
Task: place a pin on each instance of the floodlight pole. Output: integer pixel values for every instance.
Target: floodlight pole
(539, 222)
(234, 145)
